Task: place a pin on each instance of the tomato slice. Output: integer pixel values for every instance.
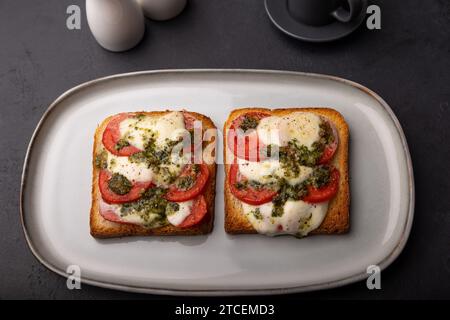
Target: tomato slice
(199, 210)
(111, 136)
(176, 194)
(243, 146)
(248, 195)
(110, 197)
(326, 192)
(110, 215)
(330, 149)
(189, 121)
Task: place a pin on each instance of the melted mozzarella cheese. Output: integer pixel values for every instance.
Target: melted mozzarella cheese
(299, 217)
(263, 172)
(179, 216)
(137, 131)
(302, 126)
(269, 130)
(169, 127)
(135, 172)
(270, 170)
(136, 218)
(310, 215)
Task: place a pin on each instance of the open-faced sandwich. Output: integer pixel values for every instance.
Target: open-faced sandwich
(152, 175)
(286, 171)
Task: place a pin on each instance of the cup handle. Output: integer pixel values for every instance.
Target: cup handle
(343, 15)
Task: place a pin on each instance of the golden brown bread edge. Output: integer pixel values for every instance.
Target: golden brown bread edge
(337, 219)
(102, 228)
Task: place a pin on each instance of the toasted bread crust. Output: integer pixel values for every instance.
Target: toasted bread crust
(337, 219)
(102, 228)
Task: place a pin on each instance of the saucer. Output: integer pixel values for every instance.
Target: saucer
(278, 13)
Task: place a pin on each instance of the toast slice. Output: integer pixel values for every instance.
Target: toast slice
(337, 219)
(102, 228)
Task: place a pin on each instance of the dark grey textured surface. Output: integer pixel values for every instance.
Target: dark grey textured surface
(407, 63)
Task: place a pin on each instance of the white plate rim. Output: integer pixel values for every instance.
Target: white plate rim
(232, 292)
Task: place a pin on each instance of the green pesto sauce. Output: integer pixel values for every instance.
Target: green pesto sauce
(172, 208)
(257, 214)
(153, 156)
(294, 155)
(287, 192)
(325, 133)
(320, 177)
(119, 184)
(241, 185)
(248, 123)
(121, 143)
(185, 183)
(167, 176)
(277, 211)
(156, 158)
(101, 160)
(151, 207)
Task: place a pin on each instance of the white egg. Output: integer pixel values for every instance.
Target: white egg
(162, 9)
(117, 25)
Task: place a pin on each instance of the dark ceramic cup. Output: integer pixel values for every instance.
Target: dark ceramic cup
(322, 12)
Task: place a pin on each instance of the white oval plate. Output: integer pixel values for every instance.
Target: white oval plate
(56, 188)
